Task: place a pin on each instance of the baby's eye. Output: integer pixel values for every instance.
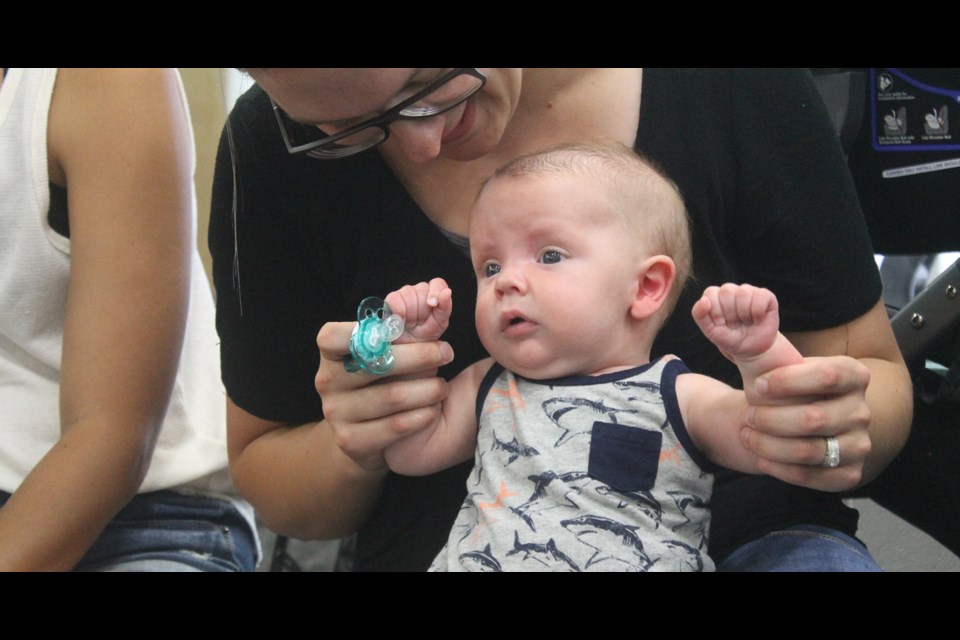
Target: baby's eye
(551, 257)
(490, 270)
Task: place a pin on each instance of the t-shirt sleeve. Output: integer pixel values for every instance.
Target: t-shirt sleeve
(770, 198)
(796, 226)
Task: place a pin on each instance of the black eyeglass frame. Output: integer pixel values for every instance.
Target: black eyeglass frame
(315, 148)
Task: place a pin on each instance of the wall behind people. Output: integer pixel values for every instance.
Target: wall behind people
(211, 92)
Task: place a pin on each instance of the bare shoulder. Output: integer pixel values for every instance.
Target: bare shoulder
(115, 111)
(104, 84)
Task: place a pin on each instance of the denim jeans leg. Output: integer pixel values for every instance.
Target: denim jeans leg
(170, 531)
(802, 549)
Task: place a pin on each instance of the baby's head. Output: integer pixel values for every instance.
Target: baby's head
(589, 234)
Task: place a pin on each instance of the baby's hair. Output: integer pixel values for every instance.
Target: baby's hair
(650, 203)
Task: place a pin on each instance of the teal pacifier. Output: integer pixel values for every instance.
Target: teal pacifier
(370, 342)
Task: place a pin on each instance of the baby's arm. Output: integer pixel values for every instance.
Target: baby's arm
(452, 438)
(426, 309)
(743, 322)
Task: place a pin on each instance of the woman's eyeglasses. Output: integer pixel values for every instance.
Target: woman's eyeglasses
(441, 95)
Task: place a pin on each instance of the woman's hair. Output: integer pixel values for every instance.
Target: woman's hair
(649, 202)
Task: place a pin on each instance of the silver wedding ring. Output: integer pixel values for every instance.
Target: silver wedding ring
(831, 458)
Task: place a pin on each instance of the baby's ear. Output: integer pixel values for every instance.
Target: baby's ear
(655, 278)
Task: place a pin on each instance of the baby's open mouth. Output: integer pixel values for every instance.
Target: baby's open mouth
(514, 322)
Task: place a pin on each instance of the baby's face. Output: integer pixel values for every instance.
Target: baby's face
(556, 274)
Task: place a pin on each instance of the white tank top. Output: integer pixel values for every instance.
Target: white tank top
(34, 272)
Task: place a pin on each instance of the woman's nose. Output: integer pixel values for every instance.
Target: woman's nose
(419, 139)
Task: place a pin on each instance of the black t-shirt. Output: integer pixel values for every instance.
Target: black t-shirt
(771, 203)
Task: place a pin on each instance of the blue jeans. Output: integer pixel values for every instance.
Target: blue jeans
(170, 531)
(801, 549)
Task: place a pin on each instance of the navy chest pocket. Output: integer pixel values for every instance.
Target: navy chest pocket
(626, 458)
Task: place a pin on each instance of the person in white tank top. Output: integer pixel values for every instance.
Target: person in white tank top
(112, 422)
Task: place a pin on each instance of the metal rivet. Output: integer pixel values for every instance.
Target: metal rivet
(951, 291)
(916, 320)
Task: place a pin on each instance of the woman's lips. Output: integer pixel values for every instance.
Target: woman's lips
(463, 127)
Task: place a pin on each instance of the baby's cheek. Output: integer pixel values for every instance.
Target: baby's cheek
(484, 330)
(487, 332)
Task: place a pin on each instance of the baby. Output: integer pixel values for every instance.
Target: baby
(587, 456)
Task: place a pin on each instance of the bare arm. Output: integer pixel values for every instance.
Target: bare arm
(852, 384)
(743, 322)
(715, 415)
(119, 140)
(297, 476)
(452, 439)
(867, 400)
(321, 480)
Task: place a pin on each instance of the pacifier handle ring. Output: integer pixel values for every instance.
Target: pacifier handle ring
(370, 341)
(372, 307)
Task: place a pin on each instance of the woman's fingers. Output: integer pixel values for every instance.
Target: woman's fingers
(808, 450)
(375, 417)
(815, 377)
(369, 412)
(799, 408)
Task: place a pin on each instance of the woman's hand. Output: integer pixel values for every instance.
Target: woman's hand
(863, 397)
(332, 470)
(367, 412)
(799, 407)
